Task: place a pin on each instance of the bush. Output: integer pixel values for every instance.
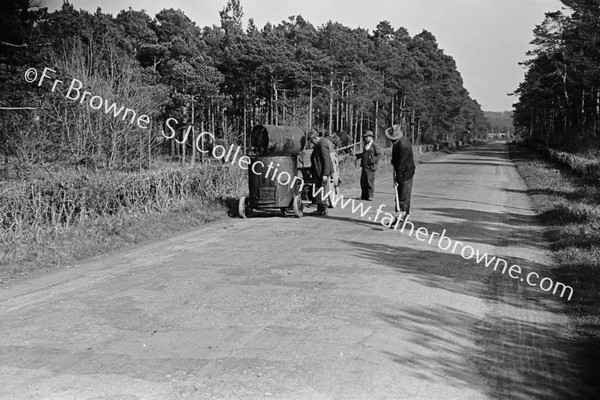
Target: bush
(68, 199)
(585, 168)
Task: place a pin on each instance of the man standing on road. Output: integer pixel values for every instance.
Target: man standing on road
(321, 168)
(368, 162)
(404, 170)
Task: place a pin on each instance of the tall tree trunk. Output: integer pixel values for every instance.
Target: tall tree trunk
(193, 136)
(350, 123)
(245, 127)
(284, 110)
(338, 116)
(211, 117)
(362, 113)
(202, 144)
(356, 121)
(271, 106)
(254, 117)
(310, 104)
(376, 118)
(276, 106)
(183, 144)
(392, 112)
(331, 104)
(402, 107)
(412, 125)
(346, 119)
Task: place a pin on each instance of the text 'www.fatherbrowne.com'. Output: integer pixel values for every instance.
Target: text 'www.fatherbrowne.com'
(445, 243)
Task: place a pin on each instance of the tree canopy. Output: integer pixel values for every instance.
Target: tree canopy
(559, 100)
(224, 78)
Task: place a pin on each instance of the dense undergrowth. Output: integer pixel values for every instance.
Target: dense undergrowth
(69, 199)
(587, 168)
(58, 220)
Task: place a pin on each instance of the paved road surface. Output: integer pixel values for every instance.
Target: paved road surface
(310, 308)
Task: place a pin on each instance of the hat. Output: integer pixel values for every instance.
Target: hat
(312, 134)
(368, 133)
(394, 132)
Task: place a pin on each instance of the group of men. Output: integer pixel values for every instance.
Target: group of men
(402, 162)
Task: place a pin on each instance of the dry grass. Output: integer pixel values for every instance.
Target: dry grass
(49, 223)
(49, 248)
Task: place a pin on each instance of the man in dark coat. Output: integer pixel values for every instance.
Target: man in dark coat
(321, 168)
(404, 169)
(368, 162)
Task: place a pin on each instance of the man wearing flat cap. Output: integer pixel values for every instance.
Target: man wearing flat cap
(368, 162)
(404, 169)
(321, 167)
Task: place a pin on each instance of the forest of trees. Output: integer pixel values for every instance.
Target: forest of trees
(224, 79)
(500, 121)
(559, 101)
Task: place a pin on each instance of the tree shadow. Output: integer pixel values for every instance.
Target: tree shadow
(518, 355)
(466, 201)
(484, 156)
(355, 221)
(496, 354)
(471, 162)
(488, 152)
(485, 227)
(443, 270)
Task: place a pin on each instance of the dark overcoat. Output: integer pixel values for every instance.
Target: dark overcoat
(320, 159)
(370, 158)
(402, 160)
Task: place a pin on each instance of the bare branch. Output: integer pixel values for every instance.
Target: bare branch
(14, 45)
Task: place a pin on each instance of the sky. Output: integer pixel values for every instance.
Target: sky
(486, 38)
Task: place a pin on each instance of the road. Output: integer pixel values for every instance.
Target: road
(334, 307)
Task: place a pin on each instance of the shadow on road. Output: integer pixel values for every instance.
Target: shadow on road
(470, 162)
(465, 201)
(547, 373)
(484, 227)
(496, 356)
(487, 151)
(518, 352)
(446, 271)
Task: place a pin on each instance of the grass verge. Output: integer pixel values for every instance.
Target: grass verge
(50, 248)
(569, 208)
(54, 222)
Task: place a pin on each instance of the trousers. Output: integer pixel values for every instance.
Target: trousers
(321, 199)
(404, 189)
(367, 183)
